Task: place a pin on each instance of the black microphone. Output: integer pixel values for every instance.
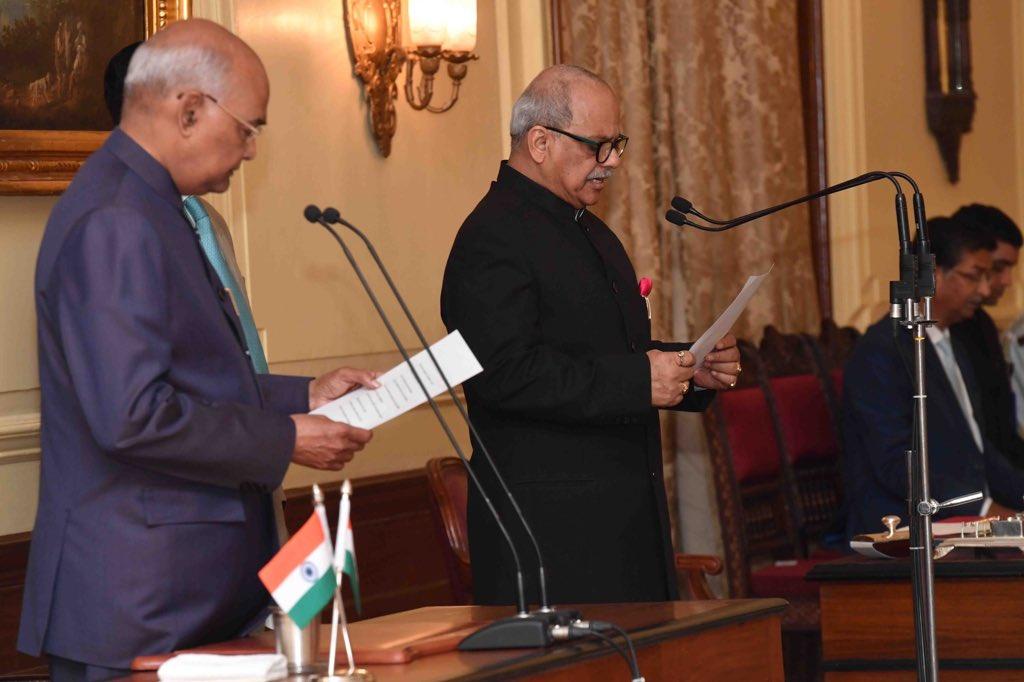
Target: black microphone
(917, 276)
(524, 630)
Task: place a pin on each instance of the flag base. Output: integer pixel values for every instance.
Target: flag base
(527, 631)
(357, 675)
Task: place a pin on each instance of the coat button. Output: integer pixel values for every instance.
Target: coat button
(632, 346)
(615, 286)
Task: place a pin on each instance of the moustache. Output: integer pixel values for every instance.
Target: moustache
(602, 174)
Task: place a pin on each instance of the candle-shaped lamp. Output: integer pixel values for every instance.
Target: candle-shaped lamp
(428, 22)
(461, 26)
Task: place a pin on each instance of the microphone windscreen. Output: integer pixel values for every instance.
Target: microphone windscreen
(331, 215)
(312, 213)
(675, 217)
(682, 205)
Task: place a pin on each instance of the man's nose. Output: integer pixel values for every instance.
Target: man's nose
(985, 287)
(250, 148)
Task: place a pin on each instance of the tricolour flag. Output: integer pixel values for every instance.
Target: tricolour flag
(300, 577)
(345, 558)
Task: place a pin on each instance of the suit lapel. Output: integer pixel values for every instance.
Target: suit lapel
(220, 291)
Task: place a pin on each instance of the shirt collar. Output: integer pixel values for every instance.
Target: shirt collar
(509, 177)
(121, 145)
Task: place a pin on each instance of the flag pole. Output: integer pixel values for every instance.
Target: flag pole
(353, 672)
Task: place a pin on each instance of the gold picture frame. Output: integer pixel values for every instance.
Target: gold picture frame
(42, 162)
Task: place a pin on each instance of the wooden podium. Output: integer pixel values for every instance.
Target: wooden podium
(867, 621)
(726, 640)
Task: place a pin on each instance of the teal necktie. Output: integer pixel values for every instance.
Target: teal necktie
(203, 226)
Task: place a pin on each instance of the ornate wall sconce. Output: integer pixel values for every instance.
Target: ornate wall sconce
(439, 31)
(949, 98)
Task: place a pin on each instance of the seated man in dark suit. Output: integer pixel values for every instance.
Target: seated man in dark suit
(878, 404)
(980, 337)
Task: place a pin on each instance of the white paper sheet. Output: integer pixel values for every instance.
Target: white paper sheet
(399, 392)
(706, 343)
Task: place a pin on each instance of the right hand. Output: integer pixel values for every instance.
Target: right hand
(670, 376)
(321, 443)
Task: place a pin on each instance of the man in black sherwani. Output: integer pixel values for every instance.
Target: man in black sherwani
(568, 401)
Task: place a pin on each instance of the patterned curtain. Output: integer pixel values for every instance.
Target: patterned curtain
(711, 101)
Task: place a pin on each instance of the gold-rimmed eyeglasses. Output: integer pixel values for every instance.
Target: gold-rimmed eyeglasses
(251, 131)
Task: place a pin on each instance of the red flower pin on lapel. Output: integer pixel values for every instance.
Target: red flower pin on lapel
(645, 290)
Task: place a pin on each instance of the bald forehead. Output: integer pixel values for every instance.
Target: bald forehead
(594, 104)
(214, 37)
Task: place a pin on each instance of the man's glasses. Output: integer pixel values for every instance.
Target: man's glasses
(602, 149)
(974, 277)
(251, 131)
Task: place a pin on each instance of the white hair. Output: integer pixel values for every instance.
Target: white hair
(159, 69)
(547, 100)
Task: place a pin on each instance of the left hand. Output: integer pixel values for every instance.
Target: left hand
(721, 367)
(338, 382)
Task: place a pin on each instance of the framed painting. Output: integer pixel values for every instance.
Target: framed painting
(52, 57)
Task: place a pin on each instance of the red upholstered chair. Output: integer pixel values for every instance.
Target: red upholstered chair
(449, 482)
(802, 397)
(757, 510)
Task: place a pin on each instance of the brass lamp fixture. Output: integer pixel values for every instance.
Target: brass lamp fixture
(950, 96)
(439, 31)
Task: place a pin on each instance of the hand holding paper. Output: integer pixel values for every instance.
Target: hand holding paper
(399, 391)
(715, 351)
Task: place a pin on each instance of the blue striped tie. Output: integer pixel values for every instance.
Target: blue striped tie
(208, 240)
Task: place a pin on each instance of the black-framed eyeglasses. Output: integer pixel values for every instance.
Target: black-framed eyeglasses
(974, 277)
(602, 148)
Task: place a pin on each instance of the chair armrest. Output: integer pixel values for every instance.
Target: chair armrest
(693, 570)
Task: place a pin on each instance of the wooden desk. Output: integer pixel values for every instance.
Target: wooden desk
(727, 640)
(867, 621)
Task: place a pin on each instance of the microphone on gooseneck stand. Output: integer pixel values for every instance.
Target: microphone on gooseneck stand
(525, 629)
(910, 298)
(902, 292)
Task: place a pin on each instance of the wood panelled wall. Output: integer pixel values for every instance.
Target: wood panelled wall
(397, 547)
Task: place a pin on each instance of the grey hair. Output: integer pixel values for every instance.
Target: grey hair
(547, 100)
(159, 69)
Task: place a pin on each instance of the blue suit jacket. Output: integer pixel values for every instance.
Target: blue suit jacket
(877, 429)
(159, 442)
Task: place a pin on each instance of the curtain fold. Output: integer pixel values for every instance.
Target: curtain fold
(711, 100)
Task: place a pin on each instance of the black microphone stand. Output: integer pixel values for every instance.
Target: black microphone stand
(911, 308)
(525, 629)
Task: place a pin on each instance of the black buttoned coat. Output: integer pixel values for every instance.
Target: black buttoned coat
(548, 300)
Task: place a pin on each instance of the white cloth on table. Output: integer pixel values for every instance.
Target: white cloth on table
(193, 667)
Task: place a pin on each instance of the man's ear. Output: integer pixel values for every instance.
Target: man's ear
(538, 142)
(188, 111)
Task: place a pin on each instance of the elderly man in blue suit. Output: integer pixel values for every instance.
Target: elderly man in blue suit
(878, 405)
(160, 442)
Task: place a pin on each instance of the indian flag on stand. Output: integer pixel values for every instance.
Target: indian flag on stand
(300, 577)
(345, 559)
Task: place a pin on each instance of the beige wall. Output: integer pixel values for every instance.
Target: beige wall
(316, 149)
(874, 63)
